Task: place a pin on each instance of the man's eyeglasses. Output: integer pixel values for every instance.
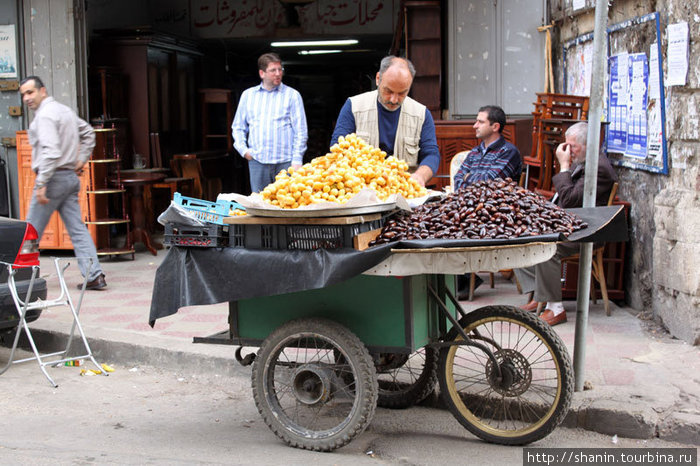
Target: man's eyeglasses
(274, 70)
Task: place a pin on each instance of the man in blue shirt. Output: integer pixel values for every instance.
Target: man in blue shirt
(494, 157)
(387, 118)
(269, 129)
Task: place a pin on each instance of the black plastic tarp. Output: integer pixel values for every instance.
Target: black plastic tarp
(198, 276)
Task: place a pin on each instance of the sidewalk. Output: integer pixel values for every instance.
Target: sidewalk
(643, 383)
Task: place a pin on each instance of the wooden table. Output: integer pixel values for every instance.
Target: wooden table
(134, 183)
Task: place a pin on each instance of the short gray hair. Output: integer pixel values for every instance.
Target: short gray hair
(390, 60)
(578, 132)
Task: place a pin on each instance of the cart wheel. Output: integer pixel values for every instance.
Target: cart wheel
(405, 380)
(314, 384)
(534, 392)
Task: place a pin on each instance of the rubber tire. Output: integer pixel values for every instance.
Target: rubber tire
(395, 397)
(555, 349)
(355, 355)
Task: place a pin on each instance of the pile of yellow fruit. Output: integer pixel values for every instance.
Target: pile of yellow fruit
(351, 165)
(237, 213)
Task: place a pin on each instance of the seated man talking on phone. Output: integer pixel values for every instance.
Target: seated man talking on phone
(545, 278)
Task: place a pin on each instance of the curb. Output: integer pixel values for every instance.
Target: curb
(598, 410)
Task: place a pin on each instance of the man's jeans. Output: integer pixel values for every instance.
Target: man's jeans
(262, 174)
(62, 191)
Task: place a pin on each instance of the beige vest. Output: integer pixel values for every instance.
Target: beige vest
(407, 143)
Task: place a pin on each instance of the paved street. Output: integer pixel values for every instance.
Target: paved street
(143, 415)
(171, 401)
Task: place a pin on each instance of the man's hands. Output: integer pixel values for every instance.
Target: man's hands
(564, 156)
(422, 174)
(41, 195)
(79, 168)
(247, 156)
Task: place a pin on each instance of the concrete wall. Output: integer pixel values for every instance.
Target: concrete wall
(10, 124)
(663, 271)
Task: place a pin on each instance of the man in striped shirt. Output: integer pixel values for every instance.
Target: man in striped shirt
(269, 129)
(494, 157)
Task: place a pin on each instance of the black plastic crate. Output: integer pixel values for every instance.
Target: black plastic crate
(303, 237)
(205, 236)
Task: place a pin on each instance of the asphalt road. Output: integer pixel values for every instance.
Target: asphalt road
(145, 415)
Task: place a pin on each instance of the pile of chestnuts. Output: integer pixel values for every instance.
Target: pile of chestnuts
(493, 209)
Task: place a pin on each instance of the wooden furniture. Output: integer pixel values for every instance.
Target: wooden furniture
(106, 202)
(598, 269)
(208, 170)
(217, 117)
(423, 45)
(134, 184)
(552, 116)
(161, 73)
(458, 135)
(55, 234)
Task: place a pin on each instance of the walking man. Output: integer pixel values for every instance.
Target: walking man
(61, 145)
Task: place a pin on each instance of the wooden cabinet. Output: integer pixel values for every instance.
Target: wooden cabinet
(458, 135)
(55, 234)
(423, 34)
(161, 74)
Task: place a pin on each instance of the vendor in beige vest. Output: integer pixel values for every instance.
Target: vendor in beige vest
(387, 118)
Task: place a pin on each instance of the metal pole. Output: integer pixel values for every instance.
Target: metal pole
(590, 184)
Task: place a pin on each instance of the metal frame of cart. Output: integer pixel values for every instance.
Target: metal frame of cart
(328, 356)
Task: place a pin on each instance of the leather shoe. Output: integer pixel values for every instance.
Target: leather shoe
(96, 284)
(531, 306)
(549, 317)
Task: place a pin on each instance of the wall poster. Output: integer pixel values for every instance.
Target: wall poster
(8, 51)
(634, 106)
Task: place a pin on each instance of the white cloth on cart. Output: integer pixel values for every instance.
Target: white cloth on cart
(457, 261)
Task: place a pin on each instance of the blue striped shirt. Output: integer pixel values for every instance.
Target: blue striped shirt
(499, 160)
(271, 125)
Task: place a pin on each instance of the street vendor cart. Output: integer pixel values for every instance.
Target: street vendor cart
(341, 331)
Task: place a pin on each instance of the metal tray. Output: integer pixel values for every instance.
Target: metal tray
(333, 212)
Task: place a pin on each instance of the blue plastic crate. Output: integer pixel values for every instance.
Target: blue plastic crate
(207, 211)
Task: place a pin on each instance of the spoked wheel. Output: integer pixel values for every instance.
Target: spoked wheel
(314, 384)
(405, 379)
(533, 391)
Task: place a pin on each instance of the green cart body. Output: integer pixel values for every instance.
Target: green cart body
(388, 314)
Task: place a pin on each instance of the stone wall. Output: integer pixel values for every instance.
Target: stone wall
(663, 266)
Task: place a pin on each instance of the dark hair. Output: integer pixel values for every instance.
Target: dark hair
(267, 58)
(38, 83)
(495, 114)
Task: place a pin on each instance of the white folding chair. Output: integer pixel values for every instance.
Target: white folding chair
(23, 306)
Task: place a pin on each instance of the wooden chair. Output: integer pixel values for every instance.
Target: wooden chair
(180, 184)
(189, 166)
(597, 270)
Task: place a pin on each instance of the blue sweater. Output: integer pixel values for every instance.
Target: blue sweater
(388, 122)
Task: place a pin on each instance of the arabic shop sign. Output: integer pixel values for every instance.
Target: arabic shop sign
(257, 18)
(348, 17)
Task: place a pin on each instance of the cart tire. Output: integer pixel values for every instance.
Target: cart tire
(314, 384)
(409, 384)
(537, 384)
